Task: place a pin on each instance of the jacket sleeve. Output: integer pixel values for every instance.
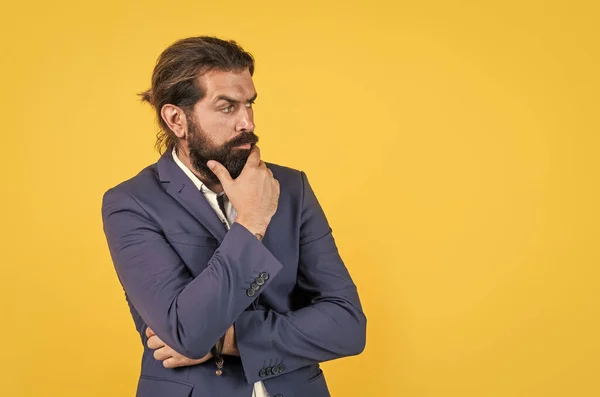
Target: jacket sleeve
(333, 325)
(189, 314)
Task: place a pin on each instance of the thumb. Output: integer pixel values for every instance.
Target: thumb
(220, 171)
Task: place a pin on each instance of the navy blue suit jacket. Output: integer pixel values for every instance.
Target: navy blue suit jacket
(189, 279)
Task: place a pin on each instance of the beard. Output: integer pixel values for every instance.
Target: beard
(202, 150)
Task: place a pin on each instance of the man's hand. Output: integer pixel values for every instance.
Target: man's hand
(254, 194)
(169, 357)
(230, 344)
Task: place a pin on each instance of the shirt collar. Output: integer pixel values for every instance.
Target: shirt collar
(197, 182)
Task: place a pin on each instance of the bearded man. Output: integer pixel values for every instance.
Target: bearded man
(228, 263)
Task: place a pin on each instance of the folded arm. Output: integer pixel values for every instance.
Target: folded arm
(169, 299)
(331, 326)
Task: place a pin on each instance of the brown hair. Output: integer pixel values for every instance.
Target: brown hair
(175, 76)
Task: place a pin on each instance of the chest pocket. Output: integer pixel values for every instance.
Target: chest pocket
(194, 249)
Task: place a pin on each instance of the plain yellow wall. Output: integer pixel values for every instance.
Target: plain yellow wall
(453, 144)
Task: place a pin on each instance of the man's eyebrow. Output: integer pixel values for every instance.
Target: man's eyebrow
(232, 100)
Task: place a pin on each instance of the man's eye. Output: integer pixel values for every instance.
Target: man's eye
(228, 109)
(249, 104)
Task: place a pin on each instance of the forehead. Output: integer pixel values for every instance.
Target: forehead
(237, 85)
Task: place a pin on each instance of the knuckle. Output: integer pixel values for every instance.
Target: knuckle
(154, 342)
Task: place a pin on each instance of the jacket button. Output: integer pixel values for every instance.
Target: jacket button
(281, 367)
(255, 286)
(269, 371)
(250, 292)
(264, 275)
(275, 370)
(260, 281)
(262, 373)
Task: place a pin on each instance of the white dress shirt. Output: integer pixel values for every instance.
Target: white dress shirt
(227, 219)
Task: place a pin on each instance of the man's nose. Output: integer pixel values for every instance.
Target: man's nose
(246, 121)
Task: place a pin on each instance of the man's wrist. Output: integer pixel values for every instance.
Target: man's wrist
(256, 231)
(229, 343)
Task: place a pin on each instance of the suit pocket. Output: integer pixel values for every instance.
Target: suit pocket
(196, 240)
(157, 387)
(316, 386)
(316, 376)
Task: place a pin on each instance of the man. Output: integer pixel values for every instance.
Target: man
(228, 264)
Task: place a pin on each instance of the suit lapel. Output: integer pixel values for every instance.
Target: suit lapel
(182, 189)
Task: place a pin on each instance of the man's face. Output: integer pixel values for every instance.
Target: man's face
(221, 125)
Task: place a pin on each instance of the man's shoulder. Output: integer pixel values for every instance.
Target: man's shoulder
(287, 176)
(284, 171)
(145, 182)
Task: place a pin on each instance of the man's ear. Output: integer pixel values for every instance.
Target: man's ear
(175, 118)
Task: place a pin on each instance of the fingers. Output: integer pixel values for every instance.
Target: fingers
(180, 361)
(163, 353)
(177, 360)
(171, 363)
(154, 342)
(169, 357)
(220, 171)
(149, 332)
(254, 157)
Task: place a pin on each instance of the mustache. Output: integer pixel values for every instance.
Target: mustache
(243, 139)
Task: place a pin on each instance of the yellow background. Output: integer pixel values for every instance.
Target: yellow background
(453, 144)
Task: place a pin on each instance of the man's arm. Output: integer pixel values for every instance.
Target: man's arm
(333, 325)
(169, 357)
(189, 314)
